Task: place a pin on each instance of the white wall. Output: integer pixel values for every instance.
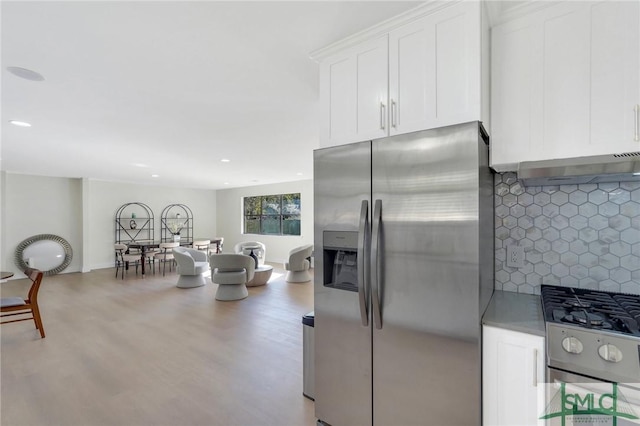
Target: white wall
(82, 211)
(229, 218)
(35, 205)
(107, 197)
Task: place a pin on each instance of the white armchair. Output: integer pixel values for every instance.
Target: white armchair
(231, 272)
(260, 253)
(298, 264)
(192, 264)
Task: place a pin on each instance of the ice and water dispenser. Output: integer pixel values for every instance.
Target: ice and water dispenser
(340, 260)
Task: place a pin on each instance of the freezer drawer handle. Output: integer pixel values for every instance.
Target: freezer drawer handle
(375, 260)
(363, 239)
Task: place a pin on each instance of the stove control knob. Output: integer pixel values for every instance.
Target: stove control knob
(610, 353)
(572, 345)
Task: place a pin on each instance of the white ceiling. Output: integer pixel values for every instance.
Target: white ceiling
(133, 89)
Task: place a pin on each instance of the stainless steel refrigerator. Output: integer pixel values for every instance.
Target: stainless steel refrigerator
(403, 272)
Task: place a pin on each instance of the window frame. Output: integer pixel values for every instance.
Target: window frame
(252, 215)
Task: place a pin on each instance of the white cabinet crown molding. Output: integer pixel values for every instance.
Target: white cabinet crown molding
(501, 11)
(498, 11)
(381, 28)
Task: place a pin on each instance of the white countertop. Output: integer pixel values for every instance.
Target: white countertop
(515, 311)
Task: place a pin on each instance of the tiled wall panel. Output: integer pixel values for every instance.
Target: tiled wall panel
(585, 236)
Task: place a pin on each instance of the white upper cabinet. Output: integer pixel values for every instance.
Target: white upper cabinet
(353, 93)
(615, 75)
(565, 83)
(435, 69)
(420, 74)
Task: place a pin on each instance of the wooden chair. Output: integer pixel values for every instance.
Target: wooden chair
(11, 306)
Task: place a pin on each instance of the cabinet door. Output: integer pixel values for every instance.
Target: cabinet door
(539, 86)
(615, 76)
(434, 69)
(353, 94)
(412, 88)
(565, 91)
(515, 84)
(513, 376)
(565, 81)
(372, 76)
(338, 99)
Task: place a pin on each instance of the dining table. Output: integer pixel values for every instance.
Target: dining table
(144, 247)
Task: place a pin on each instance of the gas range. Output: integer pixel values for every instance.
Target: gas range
(593, 333)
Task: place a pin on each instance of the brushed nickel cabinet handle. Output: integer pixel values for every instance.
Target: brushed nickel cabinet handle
(535, 368)
(394, 113)
(636, 117)
(382, 115)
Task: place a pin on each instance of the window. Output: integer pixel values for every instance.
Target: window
(272, 214)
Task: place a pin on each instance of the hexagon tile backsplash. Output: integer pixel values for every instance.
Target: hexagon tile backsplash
(585, 236)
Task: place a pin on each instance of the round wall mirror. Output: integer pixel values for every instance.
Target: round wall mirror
(46, 252)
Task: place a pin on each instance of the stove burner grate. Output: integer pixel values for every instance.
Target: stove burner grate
(586, 318)
(598, 310)
(577, 304)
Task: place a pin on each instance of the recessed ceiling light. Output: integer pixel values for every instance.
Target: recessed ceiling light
(140, 165)
(25, 73)
(226, 183)
(298, 174)
(19, 123)
(155, 176)
(225, 160)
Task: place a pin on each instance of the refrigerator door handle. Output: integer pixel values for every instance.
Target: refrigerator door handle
(363, 238)
(375, 264)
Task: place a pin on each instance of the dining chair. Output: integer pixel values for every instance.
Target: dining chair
(202, 245)
(216, 247)
(12, 306)
(124, 259)
(166, 255)
(150, 256)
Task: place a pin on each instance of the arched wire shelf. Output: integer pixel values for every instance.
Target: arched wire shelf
(134, 223)
(176, 220)
(49, 258)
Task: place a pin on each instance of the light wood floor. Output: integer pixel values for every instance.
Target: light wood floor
(143, 352)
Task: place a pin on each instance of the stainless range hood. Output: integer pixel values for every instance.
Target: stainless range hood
(572, 171)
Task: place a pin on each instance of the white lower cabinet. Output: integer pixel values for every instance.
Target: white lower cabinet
(512, 377)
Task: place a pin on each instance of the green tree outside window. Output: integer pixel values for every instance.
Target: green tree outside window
(272, 214)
